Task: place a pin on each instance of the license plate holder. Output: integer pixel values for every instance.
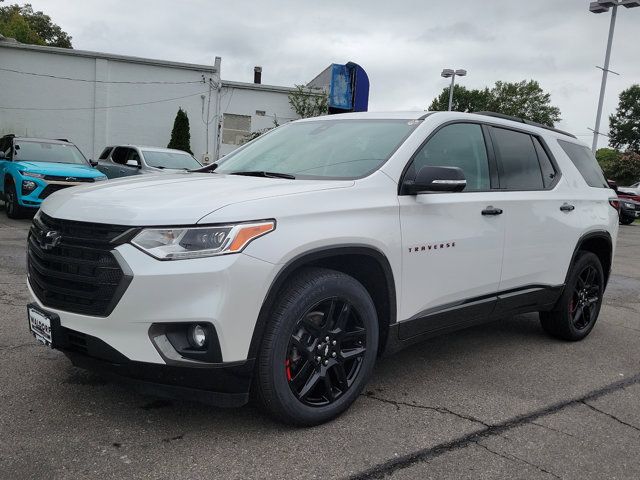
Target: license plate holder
(42, 324)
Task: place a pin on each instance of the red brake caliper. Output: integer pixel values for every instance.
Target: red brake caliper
(287, 367)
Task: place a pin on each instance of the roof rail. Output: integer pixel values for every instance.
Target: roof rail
(525, 121)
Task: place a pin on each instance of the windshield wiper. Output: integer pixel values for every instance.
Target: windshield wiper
(207, 168)
(262, 173)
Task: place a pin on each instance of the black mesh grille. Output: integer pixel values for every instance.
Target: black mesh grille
(69, 179)
(79, 274)
(49, 189)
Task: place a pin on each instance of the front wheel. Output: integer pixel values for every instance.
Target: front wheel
(626, 220)
(319, 348)
(12, 208)
(576, 312)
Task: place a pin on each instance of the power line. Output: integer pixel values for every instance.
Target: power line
(102, 108)
(101, 81)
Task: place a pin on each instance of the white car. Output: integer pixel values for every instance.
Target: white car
(318, 247)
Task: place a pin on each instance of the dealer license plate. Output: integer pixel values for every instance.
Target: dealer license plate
(40, 325)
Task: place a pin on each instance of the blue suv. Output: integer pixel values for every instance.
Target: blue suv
(31, 169)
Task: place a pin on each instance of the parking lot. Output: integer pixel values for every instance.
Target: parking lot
(497, 401)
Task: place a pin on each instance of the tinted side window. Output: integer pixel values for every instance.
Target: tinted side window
(459, 145)
(586, 163)
(548, 170)
(105, 153)
(119, 155)
(520, 167)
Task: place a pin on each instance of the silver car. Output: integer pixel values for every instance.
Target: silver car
(125, 160)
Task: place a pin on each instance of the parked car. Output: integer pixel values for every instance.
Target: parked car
(125, 160)
(318, 247)
(31, 169)
(629, 204)
(633, 189)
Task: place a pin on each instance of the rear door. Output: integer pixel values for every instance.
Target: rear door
(452, 252)
(542, 224)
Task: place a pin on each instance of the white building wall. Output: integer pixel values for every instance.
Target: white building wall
(100, 112)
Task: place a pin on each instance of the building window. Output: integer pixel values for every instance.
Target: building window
(235, 128)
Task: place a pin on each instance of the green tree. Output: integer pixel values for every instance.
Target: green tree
(624, 168)
(35, 28)
(464, 100)
(308, 102)
(607, 156)
(181, 134)
(624, 125)
(525, 99)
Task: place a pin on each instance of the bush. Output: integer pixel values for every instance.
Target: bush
(624, 168)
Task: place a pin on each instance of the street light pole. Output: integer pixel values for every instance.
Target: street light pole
(602, 6)
(448, 72)
(453, 80)
(605, 73)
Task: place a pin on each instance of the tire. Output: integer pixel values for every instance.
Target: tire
(626, 220)
(295, 359)
(11, 206)
(576, 312)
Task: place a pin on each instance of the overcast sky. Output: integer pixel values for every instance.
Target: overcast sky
(402, 44)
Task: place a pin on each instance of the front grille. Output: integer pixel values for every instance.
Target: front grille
(69, 179)
(49, 189)
(79, 274)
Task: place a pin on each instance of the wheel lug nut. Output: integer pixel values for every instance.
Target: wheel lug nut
(334, 342)
(327, 339)
(326, 362)
(333, 354)
(318, 359)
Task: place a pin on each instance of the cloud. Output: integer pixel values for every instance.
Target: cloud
(403, 45)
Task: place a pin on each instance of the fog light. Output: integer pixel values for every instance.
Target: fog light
(28, 186)
(197, 336)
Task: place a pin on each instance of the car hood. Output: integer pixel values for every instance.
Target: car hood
(172, 199)
(59, 169)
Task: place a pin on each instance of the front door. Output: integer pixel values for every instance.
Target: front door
(452, 242)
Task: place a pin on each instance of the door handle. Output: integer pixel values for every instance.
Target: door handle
(567, 207)
(490, 210)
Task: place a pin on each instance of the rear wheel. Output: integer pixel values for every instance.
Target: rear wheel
(577, 311)
(319, 348)
(11, 206)
(626, 220)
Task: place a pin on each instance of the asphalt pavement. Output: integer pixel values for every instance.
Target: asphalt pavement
(498, 401)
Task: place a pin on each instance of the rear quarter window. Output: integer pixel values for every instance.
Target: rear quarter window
(586, 163)
(105, 153)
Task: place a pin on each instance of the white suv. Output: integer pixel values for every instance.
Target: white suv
(313, 250)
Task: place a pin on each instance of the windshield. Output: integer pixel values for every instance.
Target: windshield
(322, 149)
(175, 160)
(27, 151)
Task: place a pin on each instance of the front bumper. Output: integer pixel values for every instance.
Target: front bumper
(223, 384)
(225, 291)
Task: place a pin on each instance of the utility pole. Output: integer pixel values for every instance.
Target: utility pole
(603, 6)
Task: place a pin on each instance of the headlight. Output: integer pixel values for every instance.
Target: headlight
(196, 242)
(99, 179)
(628, 205)
(32, 174)
(28, 186)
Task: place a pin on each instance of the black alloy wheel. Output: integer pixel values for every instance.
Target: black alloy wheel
(325, 352)
(319, 347)
(576, 312)
(585, 298)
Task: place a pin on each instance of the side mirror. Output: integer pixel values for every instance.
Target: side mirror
(93, 163)
(132, 163)
(436, 179)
